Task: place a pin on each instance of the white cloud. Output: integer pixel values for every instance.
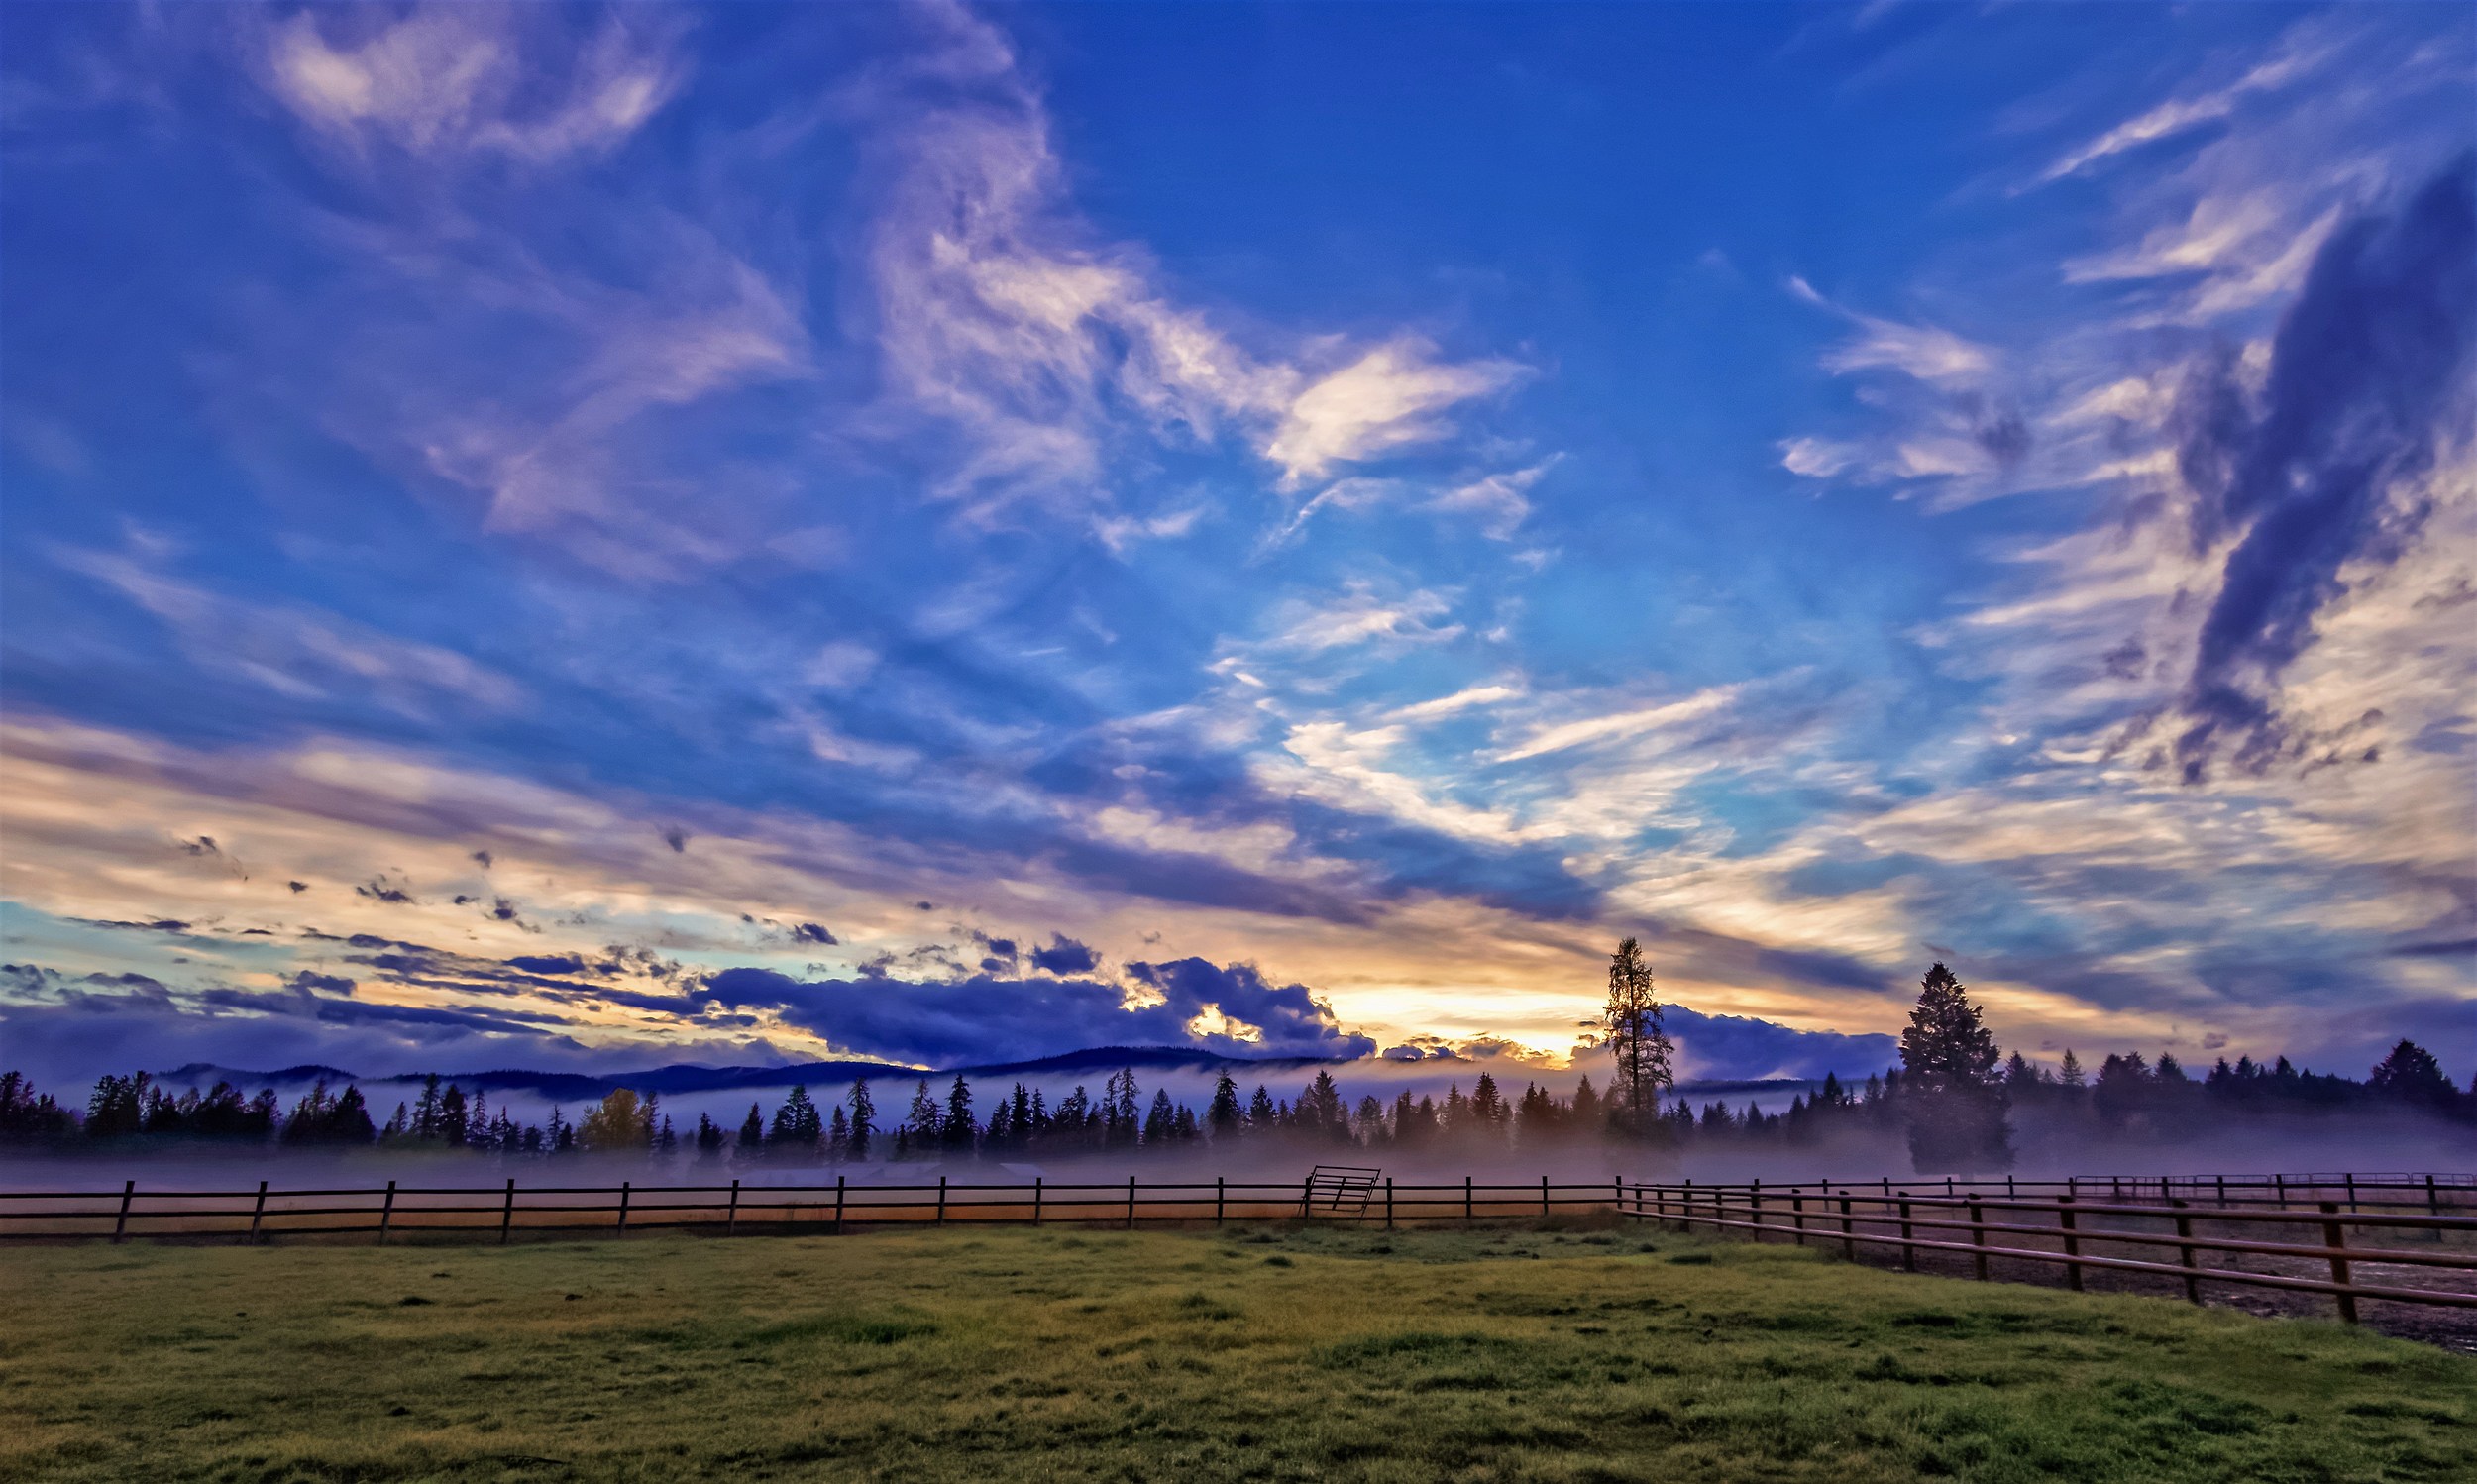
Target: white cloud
(1386, 398)
(2177, 115)
(1632, 722)
(1359, 616)
(452, 80)
(300, 652)
(1818, 458)
(1465, 700)
(1000, 313)
(1502, 501)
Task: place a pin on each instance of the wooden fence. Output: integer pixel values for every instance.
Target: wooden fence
(2110, 1224)
(2121, 1224)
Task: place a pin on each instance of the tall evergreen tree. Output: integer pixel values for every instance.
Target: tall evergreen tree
(1488, 1109)
(1262, 1118)
(752, 1141)
(1630, 1026)
(956, 1127)
(919, 1129)
(797, 1128)
(1954, 1100)
(1122, 1113)
(709, 1140)
(426, 1109)
(2411, 1074)
(863, 1118)
(1222, 1116)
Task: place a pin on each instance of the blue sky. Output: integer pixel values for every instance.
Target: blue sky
(557, 536)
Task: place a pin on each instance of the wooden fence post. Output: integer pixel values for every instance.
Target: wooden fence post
(507, 1212)
(1036, 1190)
(2072, 1243)
(1978, 1240)
(1130, 1203)
(386, 1214)
(120, 1227)
(1221, 1198)
(2279, 1185)
(1798, 1214)
(1754, 1204)
(1849, 1231)
(941, 1200)
(1388, 1203)
(838, 1204)
(2351, 1178)
(2335, 1238)
(732, 1215)
(1465, 1201)
(623, 1208)
(2223, 1185)
(1908, 1253)
(2184, 1249)
(258, 1212)
(2434, 1203)
(1544, 1197)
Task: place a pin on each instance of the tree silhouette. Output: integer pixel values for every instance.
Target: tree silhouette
(1222, 1116)
(2411, 1074)
(1630, 1028)
(1954, 1100)
(863, 1118)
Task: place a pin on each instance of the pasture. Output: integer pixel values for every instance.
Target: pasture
(1570, 1349)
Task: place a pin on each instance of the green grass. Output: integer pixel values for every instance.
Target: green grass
(1005, 1353)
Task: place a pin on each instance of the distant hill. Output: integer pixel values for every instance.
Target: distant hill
(686, 1077)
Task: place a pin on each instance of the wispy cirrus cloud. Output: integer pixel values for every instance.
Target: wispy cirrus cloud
(442, 80)
(1000, 312)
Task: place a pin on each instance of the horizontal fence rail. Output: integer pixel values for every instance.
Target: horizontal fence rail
(506, 1210)
(2427, 1225)
(2305, 1232)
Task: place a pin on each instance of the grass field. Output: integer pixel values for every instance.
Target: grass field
(1010, 1353)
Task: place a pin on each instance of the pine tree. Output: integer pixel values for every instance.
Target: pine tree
(863, 1119)
(1953, 1101)
(955, 1127)
(426, 1109)
(751, 1143)
(2069, 1071)
(918, 1133)
(1630, 1026)
(1262, 1118)
(1370, 1126)
(1221, 1115)
(1120, 1110)
(452, 1118)
(2411, 1074)
(796, 1129)
(1160, 1120)
(837, 1137)
(1488, 1109)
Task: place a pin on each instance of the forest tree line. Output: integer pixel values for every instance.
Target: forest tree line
(1953, 1098)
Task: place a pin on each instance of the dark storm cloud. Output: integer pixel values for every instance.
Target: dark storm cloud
(810, 932)
(1065, 956)
(1737, 1048)
(2365, 371)
(984, 1019)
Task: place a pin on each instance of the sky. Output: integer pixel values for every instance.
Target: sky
(587, 538)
